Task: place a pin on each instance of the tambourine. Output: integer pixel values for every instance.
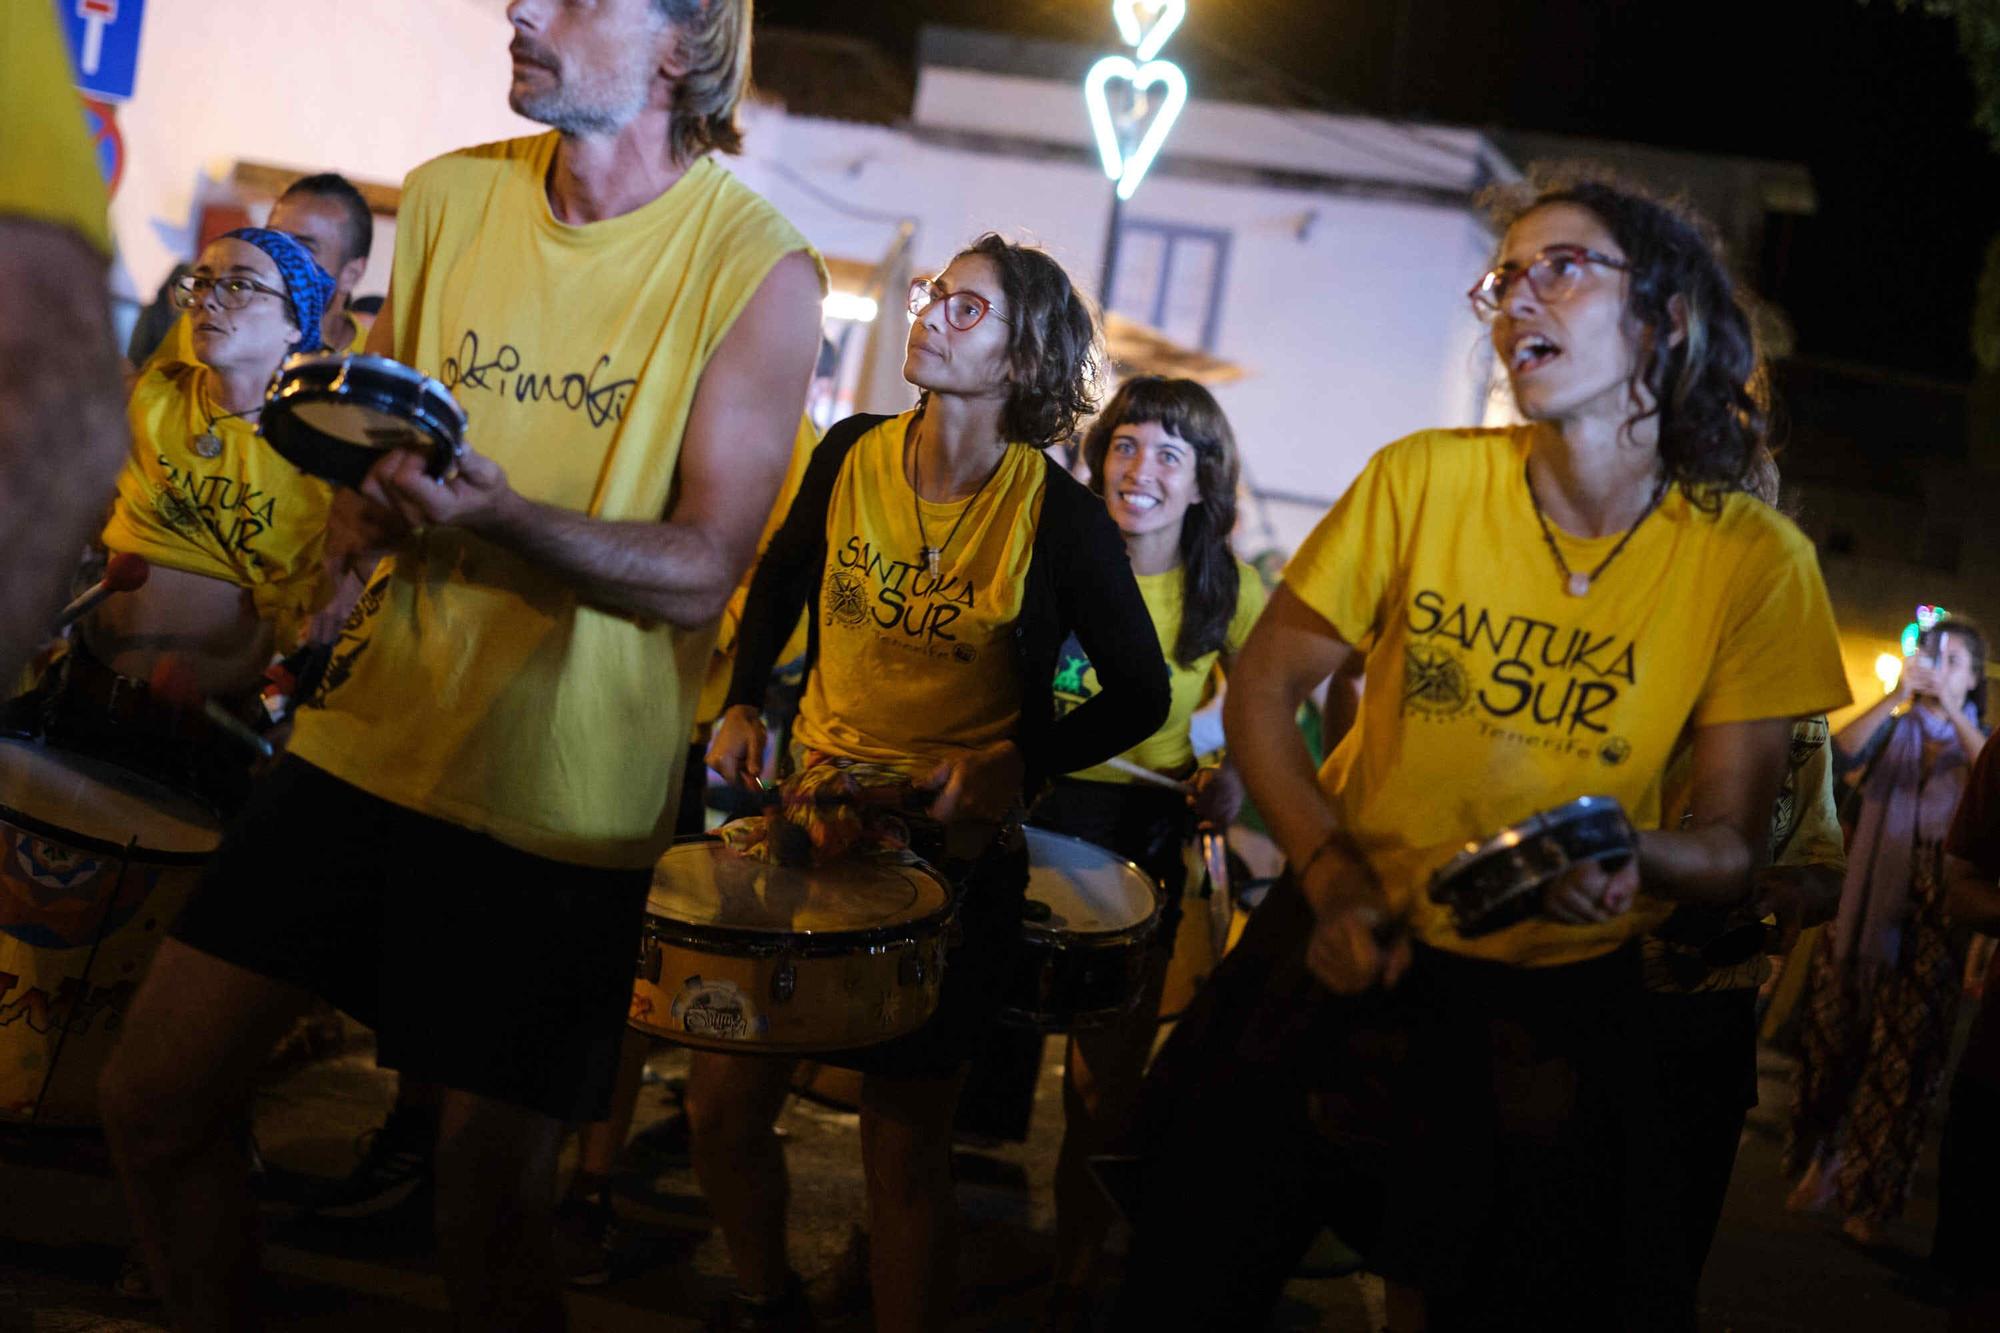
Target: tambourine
(1494, 884)
(333, 414)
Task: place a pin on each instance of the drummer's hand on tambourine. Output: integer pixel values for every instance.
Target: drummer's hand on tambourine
(1216, 796)
(982, 784)
(472, 495)
(1586, 894)
(736, 747)
(1357, 942)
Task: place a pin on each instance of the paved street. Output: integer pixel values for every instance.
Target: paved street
(63, 1232)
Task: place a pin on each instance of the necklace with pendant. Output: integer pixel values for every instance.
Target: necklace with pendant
(208, 444)
(1575, 582)
(932, 555)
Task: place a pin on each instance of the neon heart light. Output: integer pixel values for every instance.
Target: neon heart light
(1146, 24)
(1129, 170)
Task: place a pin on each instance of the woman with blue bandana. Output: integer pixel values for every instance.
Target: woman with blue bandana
(235, 534)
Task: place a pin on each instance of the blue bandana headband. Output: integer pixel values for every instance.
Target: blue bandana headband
(308, 287)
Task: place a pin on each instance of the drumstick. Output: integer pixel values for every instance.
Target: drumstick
(1144, 774)
(123, 572)
(173, 681)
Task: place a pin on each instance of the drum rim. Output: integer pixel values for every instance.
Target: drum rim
(286, 399)
(1140, 929)
(297, 366)
(128, 852)
(750, 942)
(1535, 825)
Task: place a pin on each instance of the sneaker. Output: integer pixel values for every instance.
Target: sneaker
(395, 1163)
(789, 1313)
(588, 1241)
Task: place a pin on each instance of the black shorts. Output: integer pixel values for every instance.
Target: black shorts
(480, 966)
(982, 958)
(1148, 826)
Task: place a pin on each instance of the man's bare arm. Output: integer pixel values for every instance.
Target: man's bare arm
(733, 457)
(62, 421)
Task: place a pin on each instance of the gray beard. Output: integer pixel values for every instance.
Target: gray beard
(602, 107)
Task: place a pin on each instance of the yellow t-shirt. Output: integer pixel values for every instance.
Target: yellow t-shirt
(48, 170)
(245, 516)
(911, 668)
(1492, 693)
(722, 662)
(1167, 750)
(473, 685)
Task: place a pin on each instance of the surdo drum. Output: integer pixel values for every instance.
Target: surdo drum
(1493, 884)
(745, 955)
(333, 414)
(1089, 918)
(95, 863)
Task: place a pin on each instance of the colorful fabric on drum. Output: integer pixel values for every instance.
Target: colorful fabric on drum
(914, 667)
(245, 515)
(1492, 693)
(829, 810)
(48, 170)
(556, 726)
(308, 287)
(1168, 750)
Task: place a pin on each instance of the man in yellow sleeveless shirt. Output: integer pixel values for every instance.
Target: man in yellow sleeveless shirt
(464, 829)
(62, 420)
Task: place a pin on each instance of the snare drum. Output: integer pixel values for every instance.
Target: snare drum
(95, 863)
(1090, 916)
(332, 414)
(748, 956)
(1493, 884)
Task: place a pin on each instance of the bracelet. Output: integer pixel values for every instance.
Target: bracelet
(1331, 843)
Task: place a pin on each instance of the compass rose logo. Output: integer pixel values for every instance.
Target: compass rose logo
(1434, 682)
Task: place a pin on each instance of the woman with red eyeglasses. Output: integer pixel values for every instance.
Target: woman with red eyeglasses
(946, 558)
(1545, 609)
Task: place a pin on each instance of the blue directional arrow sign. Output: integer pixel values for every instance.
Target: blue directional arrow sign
(103, 43)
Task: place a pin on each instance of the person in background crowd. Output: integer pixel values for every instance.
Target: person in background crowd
(62, 420)
(331, 219)
(1887, 974)
(1968, 1221)
(493, 769)
(1546, 610)
(954, 507)
(1162, 455)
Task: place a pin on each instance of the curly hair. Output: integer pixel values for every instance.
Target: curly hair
(1209, 577)
(1055, 348)
(1710, 388)
(715, 43)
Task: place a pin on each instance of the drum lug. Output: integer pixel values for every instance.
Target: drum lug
(784, 981)
(650, 961)
(910, 971)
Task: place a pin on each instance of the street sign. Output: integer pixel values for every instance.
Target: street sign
(103, 44)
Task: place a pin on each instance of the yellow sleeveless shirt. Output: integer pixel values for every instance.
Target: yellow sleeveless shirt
(470, 684)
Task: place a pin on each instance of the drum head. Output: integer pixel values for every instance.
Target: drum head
(703, 884)
(1086, 889)
(94, 800)
(359, 423)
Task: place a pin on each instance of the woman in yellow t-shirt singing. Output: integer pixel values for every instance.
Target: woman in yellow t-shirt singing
(946, 559)
(1162, 455)
(1545, 609)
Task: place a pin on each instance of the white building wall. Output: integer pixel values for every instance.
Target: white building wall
(369, 88)
(1345, 310)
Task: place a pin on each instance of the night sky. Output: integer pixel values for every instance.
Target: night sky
(1875, 102)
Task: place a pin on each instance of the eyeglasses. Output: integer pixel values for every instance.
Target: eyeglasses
(962, 310)
(1553, 275)
(230, 293)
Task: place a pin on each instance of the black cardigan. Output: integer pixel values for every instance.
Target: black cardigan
(1079, 582)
